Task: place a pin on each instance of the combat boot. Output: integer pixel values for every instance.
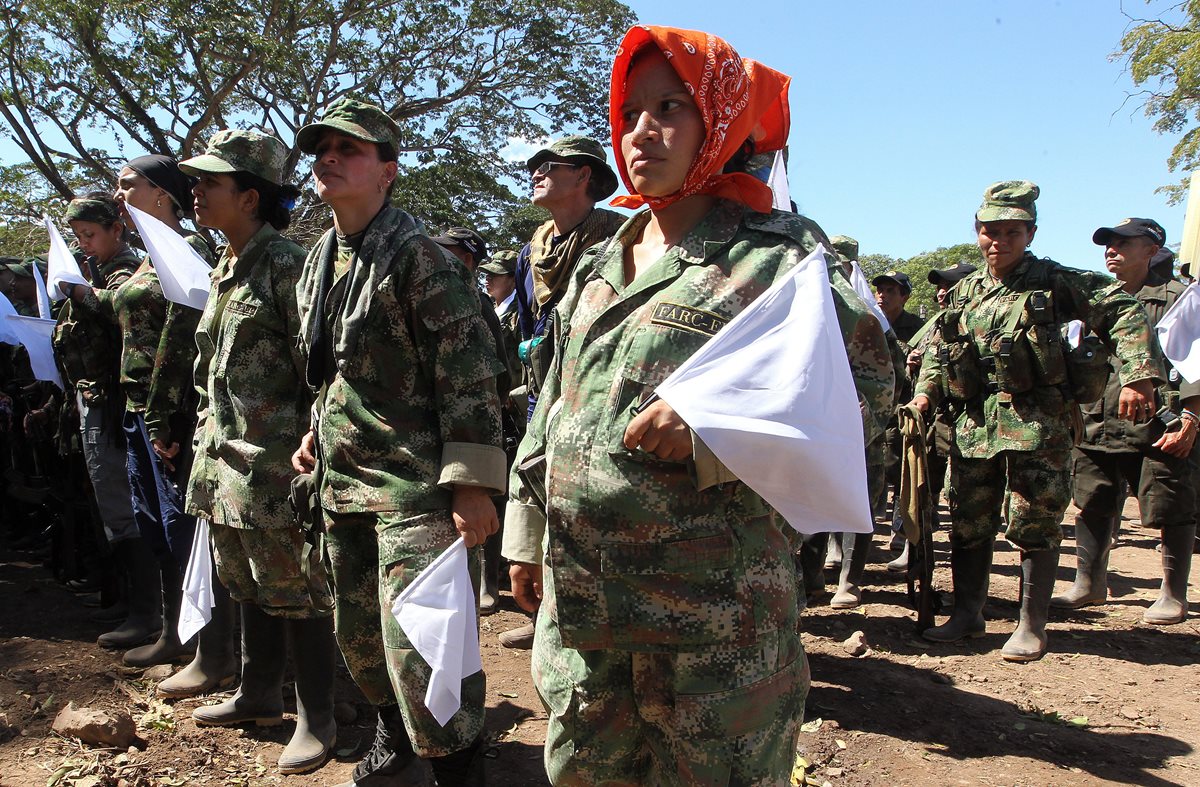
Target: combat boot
(461, 768)
(214, 666)
(1171, 606)
(168, 647)
(144, 621)
(971, 569)
(900, 564)
(391, 762)
(313, 651)
(854, 561)
(1028, 642)
(1093, 544)
(259, 698)
(489, 568)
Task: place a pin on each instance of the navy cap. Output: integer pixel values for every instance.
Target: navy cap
(951, 276)
(896, 277)
(1132, 228)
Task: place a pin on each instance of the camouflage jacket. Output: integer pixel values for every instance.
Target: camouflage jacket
(994, 421)
(409, 404)
(1102, 429)
(254, 405)
(646, 554)
(87, 344)
(172, 389)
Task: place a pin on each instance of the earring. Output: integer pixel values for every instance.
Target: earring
(158, 202)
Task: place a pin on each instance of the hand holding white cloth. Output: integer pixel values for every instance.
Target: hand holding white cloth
(183, 274)
(60, 263)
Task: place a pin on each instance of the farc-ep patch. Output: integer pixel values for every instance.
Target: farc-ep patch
(685, 317)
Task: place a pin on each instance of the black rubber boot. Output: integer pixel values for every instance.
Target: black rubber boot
(214, 666)
(1093, 544)
(259, 698)
(313, 650)
(809, 559)
(854, 561)
(489, 568)
(167, 648)
(391, 762)
(1028, 642)
(144, 621)
(1171, 606)
(971, 570)
(461, 768)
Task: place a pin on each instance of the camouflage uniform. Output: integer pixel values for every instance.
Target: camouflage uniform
(666, 648)
(407, 409)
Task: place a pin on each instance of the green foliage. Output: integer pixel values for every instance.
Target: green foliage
(1163, 58)
(918, 267)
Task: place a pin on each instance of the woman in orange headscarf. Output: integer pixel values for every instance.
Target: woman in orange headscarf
(667, 649)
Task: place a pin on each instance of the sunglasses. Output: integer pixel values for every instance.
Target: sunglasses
(546, 166)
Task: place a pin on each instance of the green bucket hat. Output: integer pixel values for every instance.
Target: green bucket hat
(261, 155)
(845, 246)
(576, 149)
(502, 263)
(354, 118)
(97, 211)
(23, 268)
(1009, 200)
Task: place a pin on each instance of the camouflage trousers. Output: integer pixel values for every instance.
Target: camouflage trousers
(718, 716)
(1165, 486)
(263, 567)
(373, 558)
(1030, 489)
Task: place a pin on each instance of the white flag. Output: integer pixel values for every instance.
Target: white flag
(772, 395)
(43, 297)
(8, 333)
(1179, 334)
(182, 272)
(781, 197)
(34, 333)
(60, 265)
(863, 287)
(437, 612)
(198, 598)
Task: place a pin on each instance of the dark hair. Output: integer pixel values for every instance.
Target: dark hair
(388, 153)
(109, 202)
(1029, 225)
(595, 190)
(275, 202)
(739, 161)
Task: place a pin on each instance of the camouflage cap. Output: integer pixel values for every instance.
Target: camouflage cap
(845, 246)
(354, 118)
(502, 263)
(261, 155)
(95, 210)
(1009, 200)
(578, 149)
(23, 268)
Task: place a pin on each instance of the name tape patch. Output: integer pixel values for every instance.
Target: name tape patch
(686, 318)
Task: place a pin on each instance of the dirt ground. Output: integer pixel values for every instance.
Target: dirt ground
(1114, 701)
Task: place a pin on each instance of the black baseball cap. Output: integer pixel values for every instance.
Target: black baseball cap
(896, 277)
(951, 276)
(1131, 228)
(469, 239)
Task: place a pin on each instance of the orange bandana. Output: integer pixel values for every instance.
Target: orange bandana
(738, 98)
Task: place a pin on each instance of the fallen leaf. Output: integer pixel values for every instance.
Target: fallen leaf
(841, 744)
(812, 726)
(1080, 721)
(508, 694)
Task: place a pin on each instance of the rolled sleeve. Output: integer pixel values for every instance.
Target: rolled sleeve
(524, 529)
(473, 464)
(709, 470)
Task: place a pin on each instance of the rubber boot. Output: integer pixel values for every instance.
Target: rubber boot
(214, 666)
(1093, 544)
(145, 596)
(167, 648)
(900, 564)
(1171, 606)
(1028, 642)
(391, 757)
(313, 649)
(808, 560)
(854, 561)
(259, 698)
(971, 569)
(489, 567)
(462, 768)
(833, 557)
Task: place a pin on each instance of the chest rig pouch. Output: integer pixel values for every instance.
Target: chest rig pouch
(959, 358)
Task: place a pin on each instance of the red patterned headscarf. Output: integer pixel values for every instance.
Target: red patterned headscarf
(738, 98)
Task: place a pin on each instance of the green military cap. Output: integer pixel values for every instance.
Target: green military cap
(577, 149)
(24, 267)
(261, 155)
(845, 246)
(1009, 200)
(502, 263)
(354, 118)
(95, 210)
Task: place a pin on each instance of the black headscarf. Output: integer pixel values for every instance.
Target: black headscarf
(163, 172)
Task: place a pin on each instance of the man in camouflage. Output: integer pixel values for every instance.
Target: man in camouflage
(998, 355)
(1157, 458)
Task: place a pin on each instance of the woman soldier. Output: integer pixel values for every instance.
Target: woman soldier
(407, 427)
(667, 650)
(253, 412)
(89, 349)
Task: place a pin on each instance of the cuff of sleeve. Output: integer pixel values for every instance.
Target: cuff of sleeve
(708, 469)
(473, 464)
(929, 390)
(1142, 367)
(524, 526)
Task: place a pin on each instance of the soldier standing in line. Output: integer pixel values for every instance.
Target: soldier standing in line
(1155, 457)
(999, 357)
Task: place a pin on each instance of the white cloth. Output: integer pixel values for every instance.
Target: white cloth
(35, 333)
(43, 297)
(863, 287)
(198, 597)
(437, 612)
(1074, 333)
(183, 274)
(503, 307)
(60, 263)
(1179, 334)
(8, 332)
(781, 197)
(773, 397)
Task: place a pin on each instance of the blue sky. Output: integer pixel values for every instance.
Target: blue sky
(903, 112)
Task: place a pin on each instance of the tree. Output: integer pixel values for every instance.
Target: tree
(85, 86)
(1163, 58)
(917, 267)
